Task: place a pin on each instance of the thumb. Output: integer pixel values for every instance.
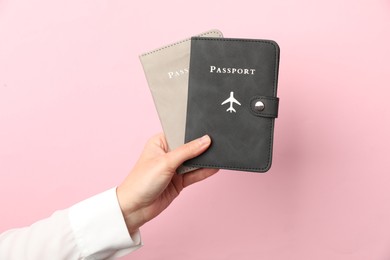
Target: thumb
(188, 151)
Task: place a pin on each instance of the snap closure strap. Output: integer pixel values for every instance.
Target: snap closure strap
(265, 106)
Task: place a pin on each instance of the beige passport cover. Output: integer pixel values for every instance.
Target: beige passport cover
(166, 70)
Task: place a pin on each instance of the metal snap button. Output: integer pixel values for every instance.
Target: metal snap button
(259, 106)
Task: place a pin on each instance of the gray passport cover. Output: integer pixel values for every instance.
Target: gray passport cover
(166, 70)
(232, 96)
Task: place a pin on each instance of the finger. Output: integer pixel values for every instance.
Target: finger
(188, 151)
(198, 175)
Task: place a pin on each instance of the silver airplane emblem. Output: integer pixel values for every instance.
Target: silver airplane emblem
(231, 100)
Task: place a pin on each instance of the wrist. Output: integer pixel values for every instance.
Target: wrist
(134, 220)
(132, 213)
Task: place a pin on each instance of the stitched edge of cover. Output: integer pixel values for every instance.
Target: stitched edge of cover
(189, 168)
(180, 42)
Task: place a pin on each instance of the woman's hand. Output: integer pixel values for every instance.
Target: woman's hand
(153, 183)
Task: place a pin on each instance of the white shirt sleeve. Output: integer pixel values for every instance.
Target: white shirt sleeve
(91, 229)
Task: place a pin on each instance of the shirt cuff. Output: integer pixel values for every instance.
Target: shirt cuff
(99, 228)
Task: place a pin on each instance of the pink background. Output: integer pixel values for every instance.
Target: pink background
(75, 111)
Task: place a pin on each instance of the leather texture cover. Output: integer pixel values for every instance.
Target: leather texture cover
(232, 96)
(166, 70)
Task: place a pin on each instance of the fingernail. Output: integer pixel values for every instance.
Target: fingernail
(204, 140)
